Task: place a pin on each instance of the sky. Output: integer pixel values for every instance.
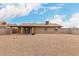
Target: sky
(65, 14)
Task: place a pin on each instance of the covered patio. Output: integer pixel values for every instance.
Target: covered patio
(22, 29)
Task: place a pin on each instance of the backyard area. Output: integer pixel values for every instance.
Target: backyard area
(39, 45)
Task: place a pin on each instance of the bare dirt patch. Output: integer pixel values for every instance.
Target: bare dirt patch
(39, 45)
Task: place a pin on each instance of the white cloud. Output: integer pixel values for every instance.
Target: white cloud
(60, 4)
(41, 13)
(55, 7)
(58, 19)
(74, 20)
(11, 11)
(47, 8)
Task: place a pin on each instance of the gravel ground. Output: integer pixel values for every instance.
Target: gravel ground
(39, 45)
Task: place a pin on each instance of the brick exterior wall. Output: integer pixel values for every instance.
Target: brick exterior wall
(47, 30)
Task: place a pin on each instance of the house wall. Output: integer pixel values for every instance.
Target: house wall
(47, 30)
(44, 30)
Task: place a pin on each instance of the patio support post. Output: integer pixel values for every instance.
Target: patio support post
(33, 31)
(22, 29)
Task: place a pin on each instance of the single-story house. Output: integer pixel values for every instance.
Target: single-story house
(36, 28)
(30, 28)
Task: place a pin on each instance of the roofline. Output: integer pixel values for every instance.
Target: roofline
(34, 26)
